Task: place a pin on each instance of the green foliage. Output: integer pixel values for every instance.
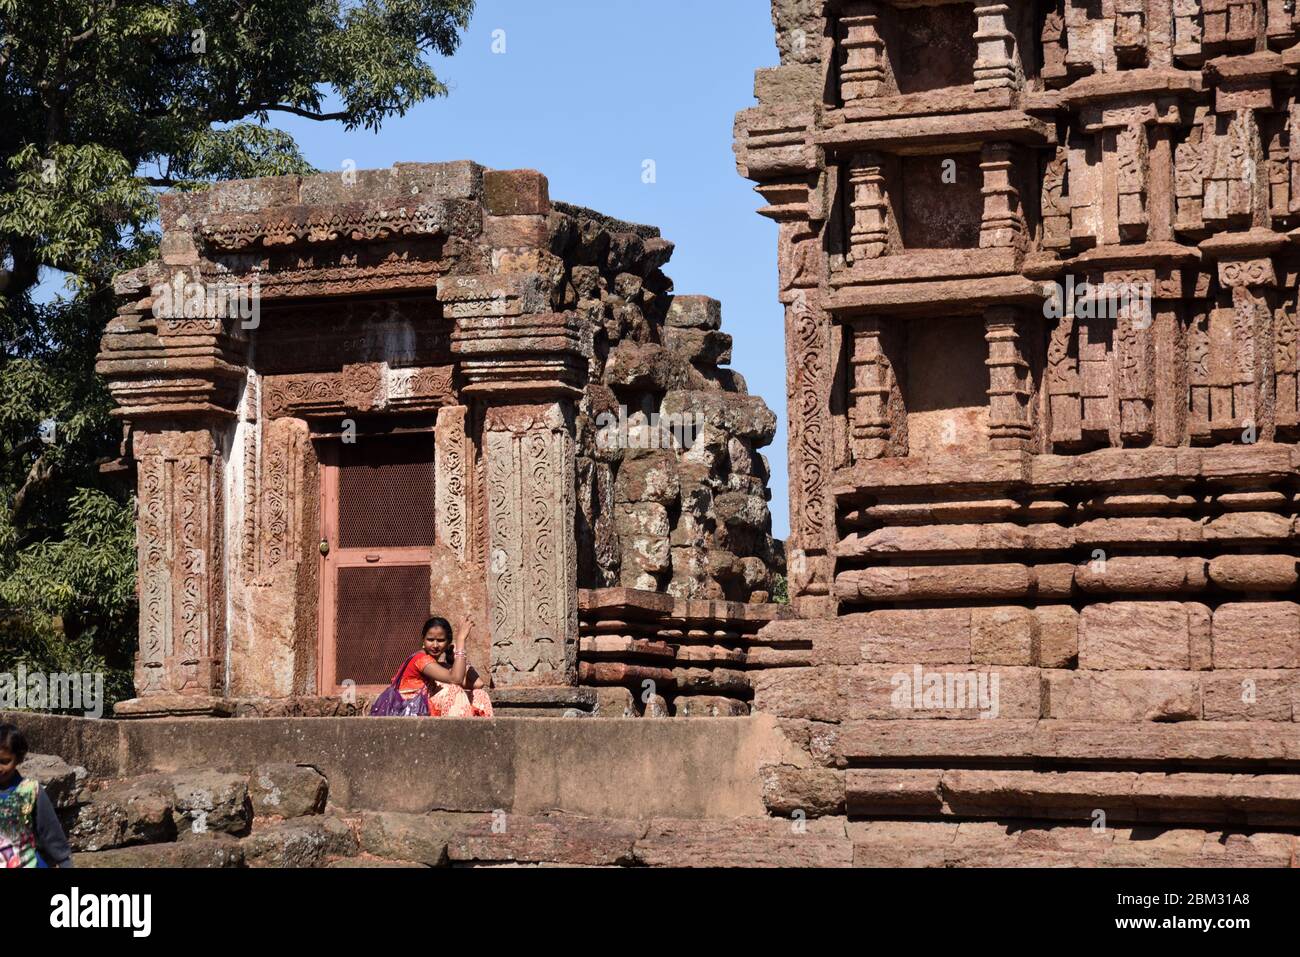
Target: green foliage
(102, 102)
(780, 590)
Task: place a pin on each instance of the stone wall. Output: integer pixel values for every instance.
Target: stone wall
(536, 792)
(1040, 274)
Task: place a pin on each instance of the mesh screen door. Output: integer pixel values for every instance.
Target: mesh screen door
(378, 519)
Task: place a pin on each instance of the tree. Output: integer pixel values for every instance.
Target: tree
(102, 104)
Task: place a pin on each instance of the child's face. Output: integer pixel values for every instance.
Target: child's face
(8, 764)
(435, 641)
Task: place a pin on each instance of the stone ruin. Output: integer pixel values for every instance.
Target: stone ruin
(353, 400)
(1039, 264)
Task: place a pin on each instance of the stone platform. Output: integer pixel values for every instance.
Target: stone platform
(604, 792)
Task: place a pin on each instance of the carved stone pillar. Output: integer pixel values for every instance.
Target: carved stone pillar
(1011, 386)
(181, 549)
(997, 65)
(1055, 204)
(525, 367)
(1241, 349)
(872, 225)
(864, 71)
(1063, 388)
(532, 562)
(878, 425)
(1003, 222)
(1135, 355)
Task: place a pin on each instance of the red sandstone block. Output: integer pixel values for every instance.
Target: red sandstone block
(926, 635)
(745, 842)
(1254, 573)
(1250, 695)
(815, 694)
(1216, 741)
(1128, 635)
(505, 232)
(562, 838)
(521, 192)
(1005, 635)
(875, 790)
(1147, 574)
(891, 692)
(1122, 695)
(1058, 635)
(1257, 635)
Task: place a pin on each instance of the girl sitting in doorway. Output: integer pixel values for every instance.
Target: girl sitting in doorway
(440, 675)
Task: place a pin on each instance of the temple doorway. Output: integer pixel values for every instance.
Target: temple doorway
(378, 527)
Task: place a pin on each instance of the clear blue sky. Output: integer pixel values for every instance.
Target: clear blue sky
(585, 92)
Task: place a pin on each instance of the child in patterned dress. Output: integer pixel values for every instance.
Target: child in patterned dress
(30, 833)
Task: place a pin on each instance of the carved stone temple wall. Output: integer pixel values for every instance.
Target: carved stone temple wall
(1039, 263)
(356, 399)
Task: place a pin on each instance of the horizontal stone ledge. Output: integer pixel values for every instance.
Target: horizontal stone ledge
(618, 603)
(1147, 470)
(926, 132)
(1016, 843)
(1089, 742)
(949, 297)
(1008, 580)
(1130, 796)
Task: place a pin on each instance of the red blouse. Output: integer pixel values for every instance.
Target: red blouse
(412, 679)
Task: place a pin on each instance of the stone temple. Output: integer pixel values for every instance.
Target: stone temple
(353, 400)
(1039, 266)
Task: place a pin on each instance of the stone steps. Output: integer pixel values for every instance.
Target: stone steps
(1263, 800)
(487, 840)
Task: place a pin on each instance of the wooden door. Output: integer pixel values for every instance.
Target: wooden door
(377, 521)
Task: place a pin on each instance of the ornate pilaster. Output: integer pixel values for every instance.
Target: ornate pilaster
(810, 348)
(1003, 222)
(532, 563)
(1235, 353)
(181, 555)
(526, 365)
(453, 458)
